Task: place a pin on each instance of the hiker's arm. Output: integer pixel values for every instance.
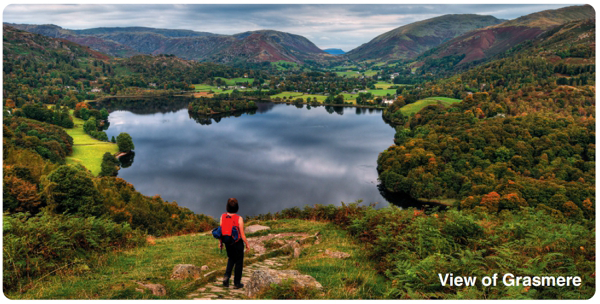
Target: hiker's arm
(241, 222)
(220, 242)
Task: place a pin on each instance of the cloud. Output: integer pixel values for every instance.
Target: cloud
(328, 25)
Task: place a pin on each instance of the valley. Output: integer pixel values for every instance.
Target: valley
(460, 143)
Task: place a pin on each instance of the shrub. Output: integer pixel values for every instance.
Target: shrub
(70, 189)
(411, 247)
(45, 243)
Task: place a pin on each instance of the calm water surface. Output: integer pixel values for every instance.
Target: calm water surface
(277, 158)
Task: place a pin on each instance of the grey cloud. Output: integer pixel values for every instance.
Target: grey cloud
(345, 26)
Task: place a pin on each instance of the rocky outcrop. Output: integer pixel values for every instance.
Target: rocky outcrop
(157, 289)
(186, 271)
(263, 278)
(258, 243)
(255, 228)
(337, 254)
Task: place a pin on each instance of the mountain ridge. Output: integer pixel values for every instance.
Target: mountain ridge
(252, 46)
(408, 41)
(486, 42)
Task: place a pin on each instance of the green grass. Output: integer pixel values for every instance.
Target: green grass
(321, 98)
(87, 150)
(383, 92)
(232, 81)
(349, 74)
(288, 95)
(281, 65)
(352, 278)
(204, 87)
(420, 104)
(111, 276)
(383, 85)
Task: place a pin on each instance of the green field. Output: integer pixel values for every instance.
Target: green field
(349, 74)
(382, 92)
(417, 106)
(232, 81)
(87, 150)
(383, 85)
(287, 95)
(207, 88)
(320, 98)
(283, 65)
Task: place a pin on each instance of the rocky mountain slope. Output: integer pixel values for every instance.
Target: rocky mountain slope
(256, 46)
(23, 44)
(486, 42)
(268, 45)
(410, 40)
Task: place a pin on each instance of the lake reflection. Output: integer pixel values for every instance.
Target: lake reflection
(277, 158)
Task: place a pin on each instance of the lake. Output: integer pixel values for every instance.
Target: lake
(281, 156)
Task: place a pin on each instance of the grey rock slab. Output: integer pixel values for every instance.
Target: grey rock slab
(255, 228)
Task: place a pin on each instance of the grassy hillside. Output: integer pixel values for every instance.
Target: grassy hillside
(410, 40)
(486, 42)
(111, 276)
(417, 106)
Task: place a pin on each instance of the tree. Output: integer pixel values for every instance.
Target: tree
(125, 142)
(70, 189)
(84, 113)
(90, 125)
(113, 140)
(110, 165)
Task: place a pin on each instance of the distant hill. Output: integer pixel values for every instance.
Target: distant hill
(410, 40)
(139, 29)
(97, 43)
(255, 46)
(268, 45)
(486, 42)
(334, 51)
(23, 44)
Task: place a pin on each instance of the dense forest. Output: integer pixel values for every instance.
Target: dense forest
(522, 140)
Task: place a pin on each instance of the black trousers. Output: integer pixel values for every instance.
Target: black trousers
(235, 253)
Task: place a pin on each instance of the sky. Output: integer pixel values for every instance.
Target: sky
(328, 26)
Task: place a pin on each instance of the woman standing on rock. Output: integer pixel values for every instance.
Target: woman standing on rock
(235, 249)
